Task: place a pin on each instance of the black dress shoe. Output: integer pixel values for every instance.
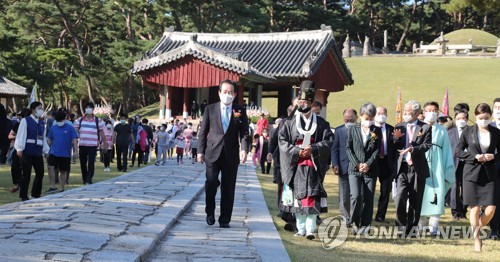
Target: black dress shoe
(210, 220)
(289, 227)
(493, 236)
(224, 225)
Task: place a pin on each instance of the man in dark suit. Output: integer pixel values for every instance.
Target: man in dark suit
(412, 139)
(458, 210)
(224, 126)
(340, 162)
(495, 221)
(385, 163)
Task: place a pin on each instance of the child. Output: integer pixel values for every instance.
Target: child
(256, 152)
(194, 147)
(180, 142)
(161, 144)
(188, 135)
(108, 132)
(263, 150)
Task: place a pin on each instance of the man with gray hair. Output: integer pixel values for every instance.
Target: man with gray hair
(412, 139)
(363, 145)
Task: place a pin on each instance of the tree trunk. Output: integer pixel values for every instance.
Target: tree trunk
(352, 8)
(66, 100)
(459, 26)
(177, 21)
(14, 105)
(407, 28)
(81, 108)
(69, 27)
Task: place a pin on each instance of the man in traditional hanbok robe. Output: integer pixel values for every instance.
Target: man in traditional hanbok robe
(304, 143)
(442, 171)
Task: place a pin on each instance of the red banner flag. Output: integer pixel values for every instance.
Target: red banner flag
(446, 104)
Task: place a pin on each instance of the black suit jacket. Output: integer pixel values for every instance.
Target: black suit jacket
(212, 138)
(421, 142)
(391, 149)
(273, 143)
(469, 140)
(339, 150)
(358, 152)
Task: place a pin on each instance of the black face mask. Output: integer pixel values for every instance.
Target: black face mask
(304, 109)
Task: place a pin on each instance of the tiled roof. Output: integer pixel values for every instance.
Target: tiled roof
(269, 56)
(10, 88)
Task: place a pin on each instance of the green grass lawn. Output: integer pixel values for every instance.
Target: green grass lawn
(301, 249)
(150, 111)
(470, 80)
(74, 181)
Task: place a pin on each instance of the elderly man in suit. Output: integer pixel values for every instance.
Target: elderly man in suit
(363, 145)
(412, 139)
(224, 126)
(385, 163)
(340, 162)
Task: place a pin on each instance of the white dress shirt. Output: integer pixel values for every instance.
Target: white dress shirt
(22, 133)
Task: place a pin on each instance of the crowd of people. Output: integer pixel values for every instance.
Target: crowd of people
(61, 138)
(427, 161)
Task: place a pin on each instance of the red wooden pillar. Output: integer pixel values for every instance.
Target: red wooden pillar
(185, 105)
(241, 93)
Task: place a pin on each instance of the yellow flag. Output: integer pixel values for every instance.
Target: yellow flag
(399, 115)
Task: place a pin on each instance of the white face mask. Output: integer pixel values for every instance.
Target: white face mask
(366, 123)
(461, 123)
(39, 113)
(430, 117)
(162, 129)
(226, 99)
(89, 111)
(123, 121)
(349, 124)
(380, 119)
(483, 122)
(407, 118)
(60, 123)
(109, 126)
(496, 114)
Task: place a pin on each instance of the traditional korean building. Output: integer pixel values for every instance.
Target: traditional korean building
(185, 67)
(9, 89)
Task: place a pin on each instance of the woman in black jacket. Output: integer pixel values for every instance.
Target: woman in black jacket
(479, 148)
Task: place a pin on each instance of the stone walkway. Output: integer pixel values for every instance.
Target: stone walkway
(124, 219)
(248, 239)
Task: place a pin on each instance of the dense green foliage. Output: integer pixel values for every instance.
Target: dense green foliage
(81, 50)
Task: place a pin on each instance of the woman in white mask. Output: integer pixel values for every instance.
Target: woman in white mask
(479, 148)
(108, 132)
